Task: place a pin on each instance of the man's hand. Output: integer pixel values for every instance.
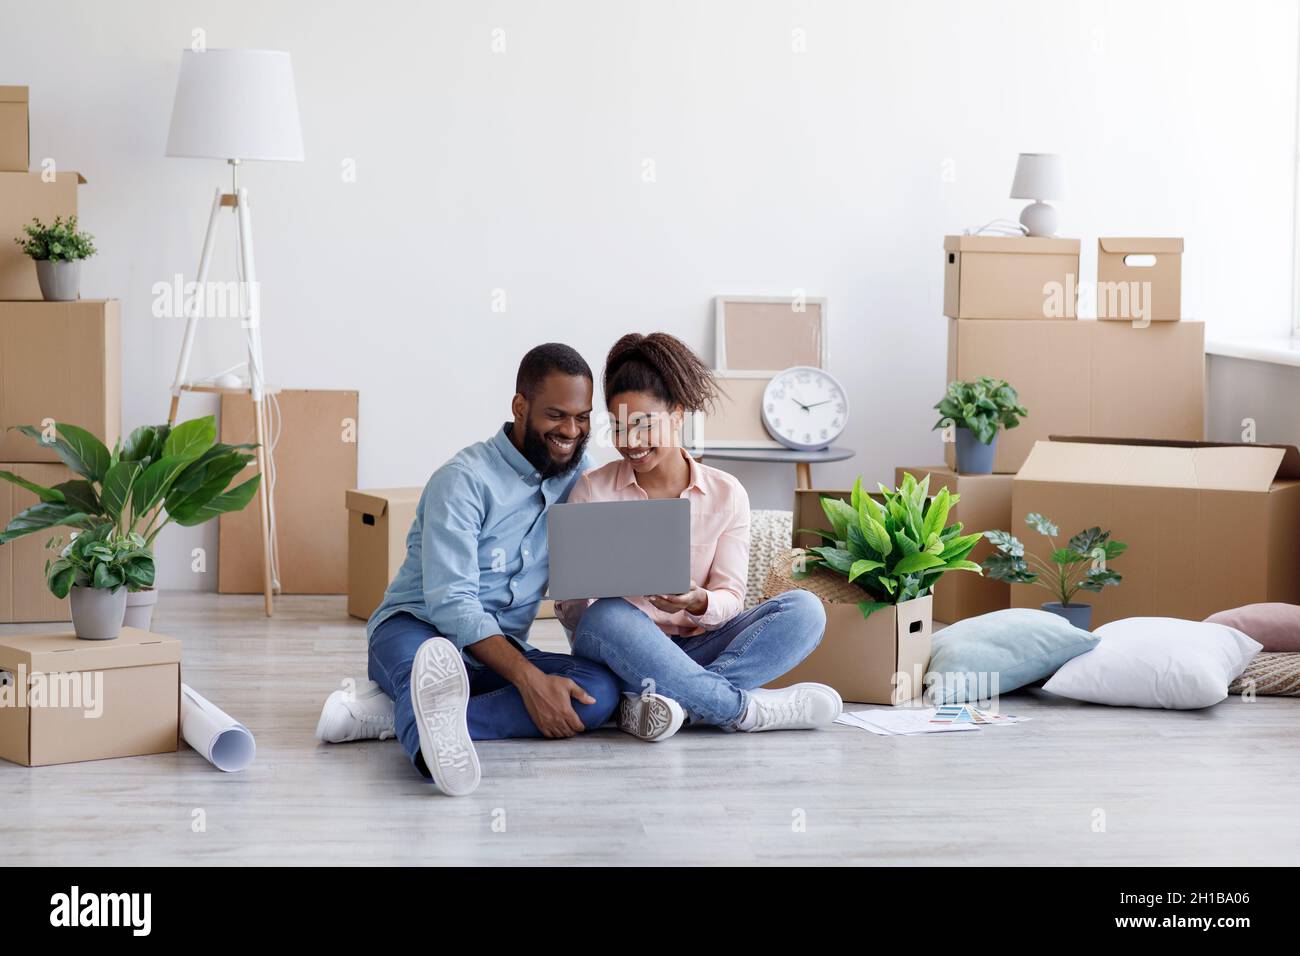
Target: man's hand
(549, 699)
(695, 601)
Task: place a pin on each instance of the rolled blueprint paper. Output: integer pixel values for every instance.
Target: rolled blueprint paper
(224, 741)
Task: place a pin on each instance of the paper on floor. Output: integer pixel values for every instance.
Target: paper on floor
(905, 721)
(225, 742)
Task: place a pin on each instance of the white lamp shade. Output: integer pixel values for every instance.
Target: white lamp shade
(1039, 176)
(235, 104)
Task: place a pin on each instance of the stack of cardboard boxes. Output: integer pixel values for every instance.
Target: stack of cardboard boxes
(59, 361)
(1138, 371)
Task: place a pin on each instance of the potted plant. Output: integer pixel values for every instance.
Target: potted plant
(160, 475)
(977, 411)
(57, 251)
(95, 570)
(1082, 565)
(882, 558)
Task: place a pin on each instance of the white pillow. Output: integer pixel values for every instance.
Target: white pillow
(1156, 662)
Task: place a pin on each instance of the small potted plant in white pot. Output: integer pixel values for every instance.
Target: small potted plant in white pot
(1082, 565)
(58, 251)
(95, 569)
(977, 411)
(159, 476)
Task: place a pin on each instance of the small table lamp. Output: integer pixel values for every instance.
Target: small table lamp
(1039, 176)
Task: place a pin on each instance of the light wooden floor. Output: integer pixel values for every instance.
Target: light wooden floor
(1213, 787)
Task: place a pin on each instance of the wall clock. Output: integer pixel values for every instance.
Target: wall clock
(805, 408)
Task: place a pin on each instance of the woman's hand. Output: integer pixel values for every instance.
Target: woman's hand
(695, 601)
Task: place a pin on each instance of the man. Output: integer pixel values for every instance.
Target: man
(447, 644)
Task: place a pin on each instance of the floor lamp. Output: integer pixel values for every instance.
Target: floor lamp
(235, 105)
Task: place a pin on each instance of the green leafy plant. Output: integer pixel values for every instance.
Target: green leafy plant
(102, 558)
(160, 475)
(1082, 565)
(983, 406)
(896, 548)
(60, 242)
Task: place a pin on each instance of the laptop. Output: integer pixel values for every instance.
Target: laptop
(619, 548)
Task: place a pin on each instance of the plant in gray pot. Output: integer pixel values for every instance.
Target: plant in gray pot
(57, 250)
(977, 411)
(95, 569)
(159, 476)
(1082, 565)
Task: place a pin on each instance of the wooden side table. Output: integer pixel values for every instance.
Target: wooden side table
(802, 460)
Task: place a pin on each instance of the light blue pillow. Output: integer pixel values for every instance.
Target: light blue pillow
(998, 652)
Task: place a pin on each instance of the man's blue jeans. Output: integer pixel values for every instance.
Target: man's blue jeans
(710, 673)
(496, 709)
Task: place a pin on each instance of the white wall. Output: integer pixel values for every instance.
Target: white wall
(836, 170)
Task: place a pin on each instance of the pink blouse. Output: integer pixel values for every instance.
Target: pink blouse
(719, 543)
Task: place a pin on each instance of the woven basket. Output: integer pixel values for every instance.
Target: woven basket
(827, 585)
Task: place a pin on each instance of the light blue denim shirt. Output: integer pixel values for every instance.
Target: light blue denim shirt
(476, 555)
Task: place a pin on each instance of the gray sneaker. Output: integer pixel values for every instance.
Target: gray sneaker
(439, 697)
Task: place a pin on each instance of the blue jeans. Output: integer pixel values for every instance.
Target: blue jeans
(710, 673)
(496, 710)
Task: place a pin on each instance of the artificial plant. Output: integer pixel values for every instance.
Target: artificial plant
(1082, 565)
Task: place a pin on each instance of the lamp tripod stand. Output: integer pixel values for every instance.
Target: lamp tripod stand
(249, 305)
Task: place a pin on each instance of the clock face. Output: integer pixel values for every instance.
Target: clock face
(805, 408)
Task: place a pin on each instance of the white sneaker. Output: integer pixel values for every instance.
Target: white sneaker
(797, 707)
(649, 716)
(363, 714)
(439, 697)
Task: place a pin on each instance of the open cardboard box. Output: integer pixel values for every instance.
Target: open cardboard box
(65, 700)
(1209, 526)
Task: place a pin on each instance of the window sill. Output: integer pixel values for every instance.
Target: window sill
(1276, 351)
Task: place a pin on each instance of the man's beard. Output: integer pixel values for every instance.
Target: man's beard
(538, 453)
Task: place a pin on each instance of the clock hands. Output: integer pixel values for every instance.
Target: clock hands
(807, 408)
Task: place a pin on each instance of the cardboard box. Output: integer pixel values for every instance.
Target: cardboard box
(1208, 526)
(59, 361)
(15, 130)
(24, 598)
(68, 700)
(1151, 269)
(1009, 277)
(378, 523)
(1086, 378)
(985, 505)
(878, 660)
(808, 513)
(315, 465)
(22, 197)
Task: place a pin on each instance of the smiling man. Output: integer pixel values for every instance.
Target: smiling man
(448, 642)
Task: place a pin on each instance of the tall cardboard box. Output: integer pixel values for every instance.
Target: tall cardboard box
(1152, 268)
(315, 466)
(68, 700)
(22, 197)
(59, 361)
(15, 130)
(378, 523)
(1208, 526)
(985, 505)
(1009, 277)
(24, 598)
(1086, 378)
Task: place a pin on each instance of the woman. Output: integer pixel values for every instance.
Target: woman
(690, 656)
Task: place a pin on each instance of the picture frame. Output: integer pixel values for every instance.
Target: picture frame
(738, 419)
(757, 336)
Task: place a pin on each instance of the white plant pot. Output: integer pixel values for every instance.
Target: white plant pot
(139, 609)
(97, 614)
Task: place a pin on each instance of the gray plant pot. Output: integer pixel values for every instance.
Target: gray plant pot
(973, 456)
(60, 281)
(97, 614)
(1080, 615)
(139, 609)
